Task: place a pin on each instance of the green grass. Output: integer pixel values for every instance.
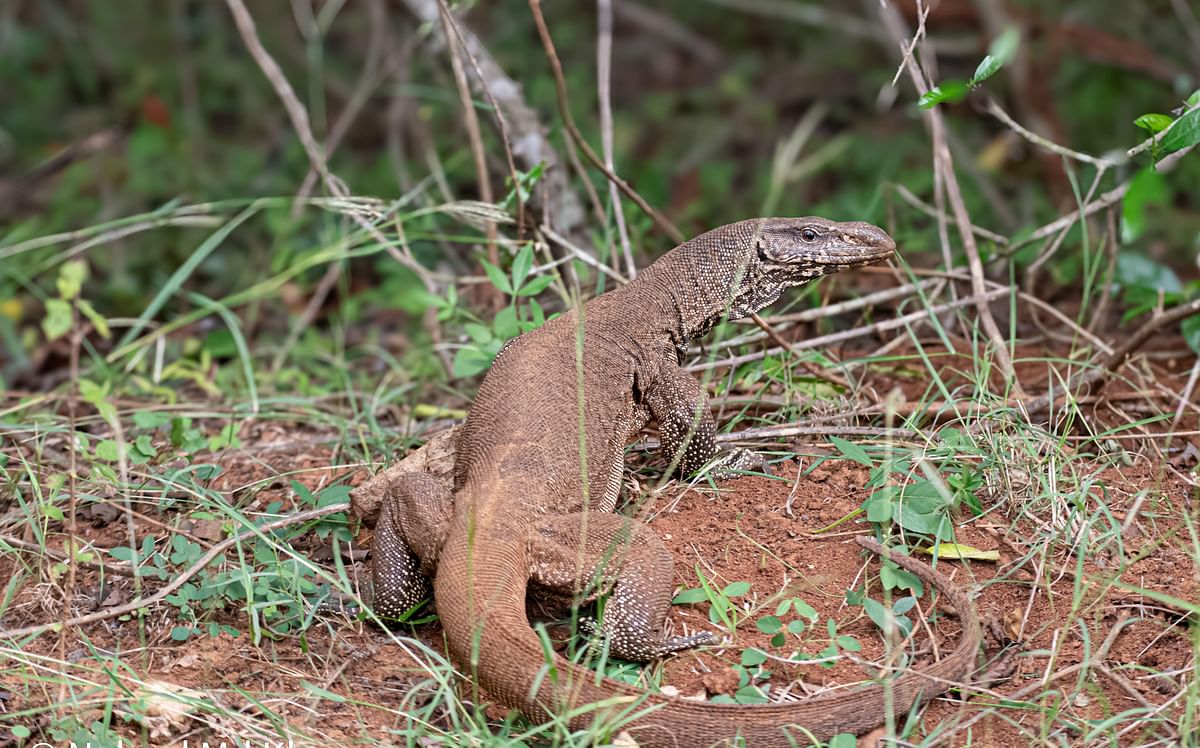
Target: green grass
(166, 386)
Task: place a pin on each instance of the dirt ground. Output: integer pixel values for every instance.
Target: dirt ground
(1044, 614)
(737, 533)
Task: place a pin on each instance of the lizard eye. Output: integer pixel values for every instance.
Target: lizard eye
(808, 235)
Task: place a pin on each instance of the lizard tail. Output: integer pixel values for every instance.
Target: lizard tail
(482, 608)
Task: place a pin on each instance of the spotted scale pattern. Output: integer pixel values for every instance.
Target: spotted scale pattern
(538, 465)
(409, 534)
(580, 557)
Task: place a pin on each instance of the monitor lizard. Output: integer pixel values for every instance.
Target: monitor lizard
(537, 469)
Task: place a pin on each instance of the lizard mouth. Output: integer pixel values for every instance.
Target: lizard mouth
(854, 257)
(854, 245)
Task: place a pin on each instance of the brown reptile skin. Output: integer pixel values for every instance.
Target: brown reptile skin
(522, 515)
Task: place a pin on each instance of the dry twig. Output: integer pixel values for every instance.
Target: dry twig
(564, 110)
(944, 165)
(604, 25)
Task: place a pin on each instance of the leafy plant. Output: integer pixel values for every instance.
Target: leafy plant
(1001, 51)
(722, 610)
(774, 625)
(60, 311)
(1183, 132)
(893, 618)
(522, 314)
(276, 592)
(922, 506)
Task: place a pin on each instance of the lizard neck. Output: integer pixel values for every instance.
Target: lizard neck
(695, 286)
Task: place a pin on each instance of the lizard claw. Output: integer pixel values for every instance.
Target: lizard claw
(589, 627)
(677, 643)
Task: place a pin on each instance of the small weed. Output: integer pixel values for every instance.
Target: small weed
(722, 610)
(522, 314)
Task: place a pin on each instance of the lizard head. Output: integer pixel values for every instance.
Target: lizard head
(735, 270)
(793, 251)
(788, 252)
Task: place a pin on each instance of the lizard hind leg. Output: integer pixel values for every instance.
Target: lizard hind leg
(609, 553)
(409, 534)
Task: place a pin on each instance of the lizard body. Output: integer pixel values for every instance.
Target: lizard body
(537, 472)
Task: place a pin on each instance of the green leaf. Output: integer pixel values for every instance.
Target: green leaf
(497, 277)
(948, 92)
(107, 449)
(736, 589)
(1185, 132)
(478, 333)
(877, 613)
(959, 551)
(843, 740)
(879, 506)
(123, 553)
(537, 315)
(1191, 332)
(521, 265)
(536, 286)
(58, 318)
(1193, 99)
(321, 692)
(849, 643)
(470, 361)
(94, 317)
(753, 657)
(796, 627)
(71, 277)
(750, 695)
(769, 624)
(1004, 47)
(852, 451)
(1136, 270)
(181, 633)
(688, 597)
(150, 419)
(505, 324)
(988, 67)
(805, 610)
(1146, 188)
(895, 578)
(225, 438)
(92, 392)
(1153, 122)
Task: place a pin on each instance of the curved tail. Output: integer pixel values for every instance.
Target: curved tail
(481, 602)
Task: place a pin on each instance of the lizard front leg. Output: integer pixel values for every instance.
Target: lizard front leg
(686, 429)
(583, 555)
(412, 526)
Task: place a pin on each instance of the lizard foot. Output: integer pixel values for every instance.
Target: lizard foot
(641, 650)
(734, 462)
(678, 643)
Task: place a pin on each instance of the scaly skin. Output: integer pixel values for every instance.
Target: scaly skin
(533, 495)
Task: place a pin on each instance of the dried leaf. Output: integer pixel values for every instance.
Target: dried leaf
(960, 551)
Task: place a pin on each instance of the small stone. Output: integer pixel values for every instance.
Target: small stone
(721, 681)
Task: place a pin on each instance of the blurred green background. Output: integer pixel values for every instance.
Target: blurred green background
(722, 110)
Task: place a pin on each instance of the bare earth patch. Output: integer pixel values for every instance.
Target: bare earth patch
(1046, 613)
